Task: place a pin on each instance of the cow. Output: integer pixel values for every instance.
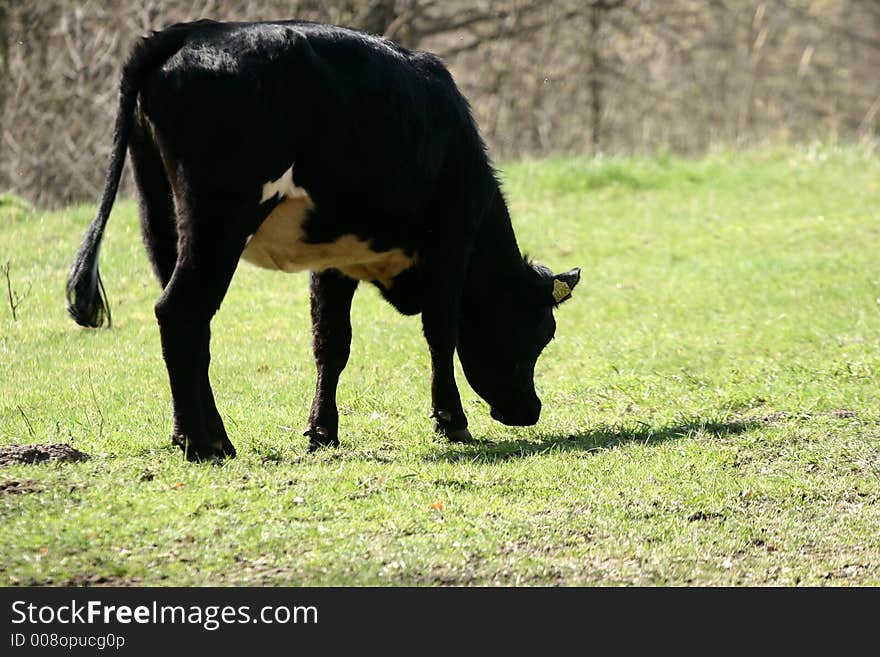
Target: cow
(303, 146)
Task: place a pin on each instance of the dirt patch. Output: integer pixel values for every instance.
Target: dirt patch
(12, 487)
(80, 580)
(853, 573)
(100, 580)
(779, 416)
(30, 454)
(776, 416)
(704, 515)
(840, 412)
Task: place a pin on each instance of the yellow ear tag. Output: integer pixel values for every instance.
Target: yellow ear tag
(560, 290)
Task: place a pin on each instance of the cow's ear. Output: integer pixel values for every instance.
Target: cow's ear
(564, 284)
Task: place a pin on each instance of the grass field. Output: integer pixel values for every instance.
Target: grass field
(711, 403)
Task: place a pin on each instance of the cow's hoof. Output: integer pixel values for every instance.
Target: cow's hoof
(227, 449)
(460, 436)
(217, 449)
(442, 425)
(321, 437)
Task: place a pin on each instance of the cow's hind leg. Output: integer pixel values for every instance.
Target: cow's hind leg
(158, 225)
(159, 231)
(331, 294)
(208, 254)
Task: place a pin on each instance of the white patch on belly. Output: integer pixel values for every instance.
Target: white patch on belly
(283, 187)
(279, 244)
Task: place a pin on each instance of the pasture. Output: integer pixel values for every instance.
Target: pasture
(711, 402)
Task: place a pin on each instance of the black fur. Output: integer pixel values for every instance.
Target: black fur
(86, 300)
(385, 146)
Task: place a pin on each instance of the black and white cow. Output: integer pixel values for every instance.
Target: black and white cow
(299, 146)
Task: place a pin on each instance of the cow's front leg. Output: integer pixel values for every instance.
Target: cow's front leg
(449, 417)
(441, 303)
(331, 294)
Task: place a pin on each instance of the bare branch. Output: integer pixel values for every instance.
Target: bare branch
(13, 298)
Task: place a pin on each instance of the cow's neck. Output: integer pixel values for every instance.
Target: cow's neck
(496, 260)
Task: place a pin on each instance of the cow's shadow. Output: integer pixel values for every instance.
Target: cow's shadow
(599, 438)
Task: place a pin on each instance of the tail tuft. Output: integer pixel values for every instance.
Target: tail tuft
(86, 299)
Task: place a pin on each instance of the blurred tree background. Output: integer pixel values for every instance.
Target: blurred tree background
(543, 77)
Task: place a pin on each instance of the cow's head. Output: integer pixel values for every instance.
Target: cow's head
(501, 337)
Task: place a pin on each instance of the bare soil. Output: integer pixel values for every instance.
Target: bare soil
(40, 453)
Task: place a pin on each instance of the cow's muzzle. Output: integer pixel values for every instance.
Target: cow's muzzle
(520, 418)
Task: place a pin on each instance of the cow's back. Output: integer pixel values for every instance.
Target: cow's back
(366, 122)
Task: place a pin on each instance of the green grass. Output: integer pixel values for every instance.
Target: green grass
(711, 407)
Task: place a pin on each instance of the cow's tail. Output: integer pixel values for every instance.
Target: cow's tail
(86, 299)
